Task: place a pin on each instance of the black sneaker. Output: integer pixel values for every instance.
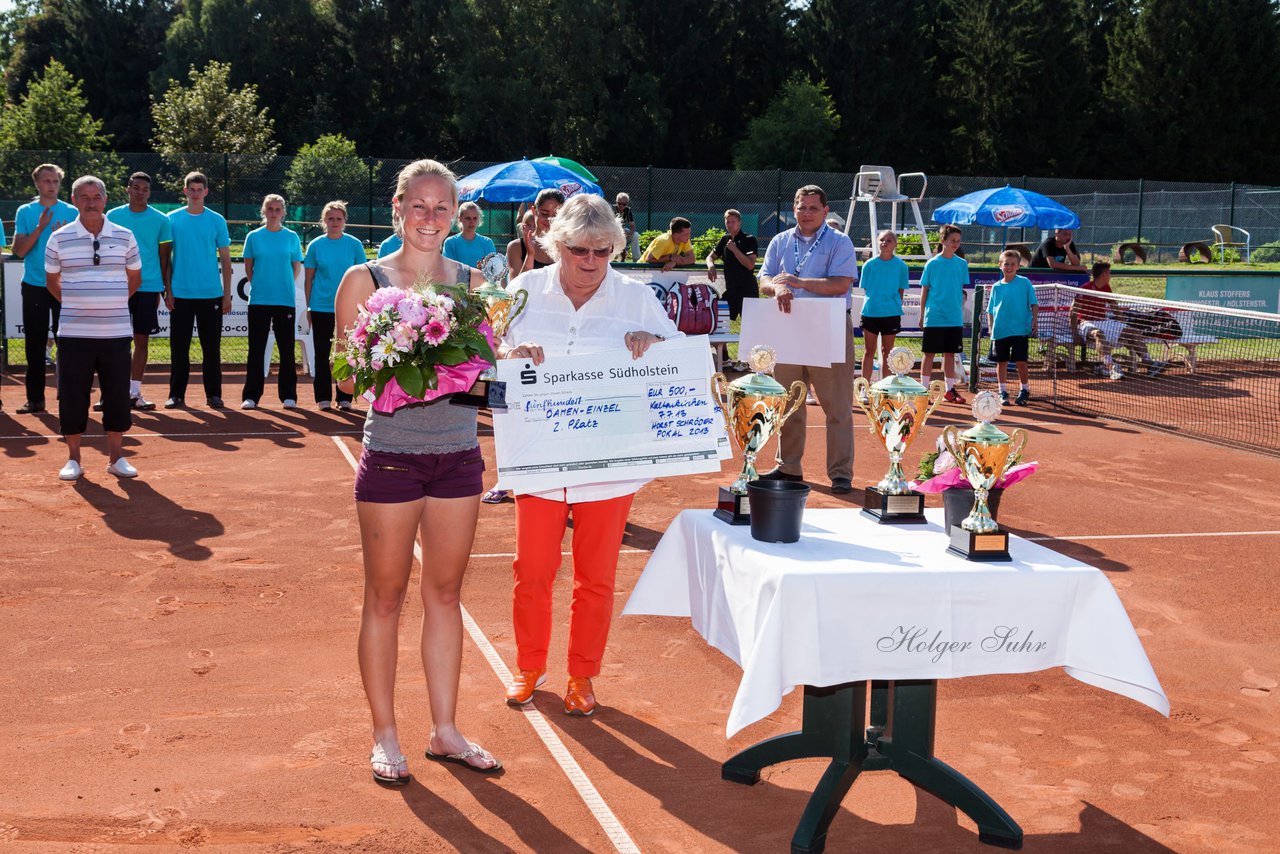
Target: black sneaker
(97, 407)
(30, 408)
(841, 486)
(175, 403)
(141, 404)
(215, 403)
(779, 474)
(1022, 398)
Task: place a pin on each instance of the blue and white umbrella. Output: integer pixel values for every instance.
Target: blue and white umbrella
(1006, 207)
(521, 181)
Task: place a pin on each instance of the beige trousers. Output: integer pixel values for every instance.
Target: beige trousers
(834, 388)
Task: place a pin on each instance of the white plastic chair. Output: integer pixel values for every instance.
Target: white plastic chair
(1224, 236)
(876, 184)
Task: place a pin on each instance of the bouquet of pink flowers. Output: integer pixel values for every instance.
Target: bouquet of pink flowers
(938, 471)
(414, 345)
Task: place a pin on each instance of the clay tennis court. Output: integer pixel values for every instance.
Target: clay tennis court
(179, 665)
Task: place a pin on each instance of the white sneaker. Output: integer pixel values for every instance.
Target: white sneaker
(71, 471)
(344, 405)
(290, 403)
(249, 404)
(1116, 373)
(121, 468)
(324, 404)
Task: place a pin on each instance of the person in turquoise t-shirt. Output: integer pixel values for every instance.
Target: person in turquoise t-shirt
(885, 280)
(32, 225)
(272, 261)
(154, 234)
(391, 244)
(328, 258)
(1011, 314)
(941, 304)
(468, 247)
(201, 251)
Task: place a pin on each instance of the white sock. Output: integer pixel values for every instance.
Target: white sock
(951, 383)
(1000, 383)
(1106, 361)
(135, 388)
(1025, 387)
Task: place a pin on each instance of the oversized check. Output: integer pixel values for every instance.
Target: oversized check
(604, 417)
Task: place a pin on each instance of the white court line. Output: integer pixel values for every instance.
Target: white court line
(1155, 536)
(620, 551)
(193, 435)
(609, 823)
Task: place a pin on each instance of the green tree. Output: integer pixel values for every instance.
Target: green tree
(283, 47)
(209, 117)
(1195, 86)
(52, 116)
(797, 131)
(1017, 87)
(880, 61)
(326, 169)
(88, 37)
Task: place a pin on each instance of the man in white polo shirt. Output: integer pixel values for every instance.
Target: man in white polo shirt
(93, 267)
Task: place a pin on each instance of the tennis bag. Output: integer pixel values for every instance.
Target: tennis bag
(1153, 323)
(692, 307)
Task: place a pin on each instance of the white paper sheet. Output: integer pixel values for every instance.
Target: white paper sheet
(812, 334)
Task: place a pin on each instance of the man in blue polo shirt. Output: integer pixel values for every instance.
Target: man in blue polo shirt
(201, 250)
(34, 222)
(154, 234)
(815, 261)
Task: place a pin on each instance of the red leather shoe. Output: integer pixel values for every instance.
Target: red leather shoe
(578, 697)
(524, 684)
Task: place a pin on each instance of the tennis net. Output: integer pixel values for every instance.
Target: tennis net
(1200, 371)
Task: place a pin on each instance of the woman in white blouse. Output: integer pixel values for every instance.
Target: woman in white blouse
(579, 304)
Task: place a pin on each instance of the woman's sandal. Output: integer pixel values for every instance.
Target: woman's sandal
(379, 758)
(494, 496)
(473, 749)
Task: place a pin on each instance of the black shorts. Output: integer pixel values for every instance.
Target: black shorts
(942, 339)
(144, 308)
(882, 325)
(1011, 349)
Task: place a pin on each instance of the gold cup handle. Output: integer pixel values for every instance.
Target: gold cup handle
(517, 305)
(949, 434)
(720, 390)
(1017, 441)
(796, 395)
(936, 392)
(860, 387)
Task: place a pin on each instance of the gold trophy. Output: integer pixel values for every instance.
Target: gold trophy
(983, 452)
(897, 408)
(502, 307)
(755, 407)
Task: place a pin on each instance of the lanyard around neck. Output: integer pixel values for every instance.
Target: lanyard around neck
(795, 248)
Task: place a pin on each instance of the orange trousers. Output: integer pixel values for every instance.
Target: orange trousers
(598, 527)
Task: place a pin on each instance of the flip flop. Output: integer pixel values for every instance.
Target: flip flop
(494, 496)
(379, 757)
(473, 749)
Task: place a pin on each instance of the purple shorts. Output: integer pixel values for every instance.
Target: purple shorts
(387, 478)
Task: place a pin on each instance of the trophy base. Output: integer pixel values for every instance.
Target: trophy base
(893, 509)
(485, 394)
(972, 546)
(733, 508)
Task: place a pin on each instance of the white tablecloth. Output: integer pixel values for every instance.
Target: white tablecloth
(854, 600)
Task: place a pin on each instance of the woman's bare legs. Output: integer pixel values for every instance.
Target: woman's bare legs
(869, 355)
(386, 533)
(448, 529)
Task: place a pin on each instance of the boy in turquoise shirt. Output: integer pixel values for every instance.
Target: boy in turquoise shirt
(32, 225)
(1011, 315)
(154, 234)
(941, 304)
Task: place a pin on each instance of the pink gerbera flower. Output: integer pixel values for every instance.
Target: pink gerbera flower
(435, 332)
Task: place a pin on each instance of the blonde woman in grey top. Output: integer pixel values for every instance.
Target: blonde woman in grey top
(420, 471)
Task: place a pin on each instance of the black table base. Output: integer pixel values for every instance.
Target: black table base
(899, 738)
